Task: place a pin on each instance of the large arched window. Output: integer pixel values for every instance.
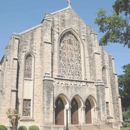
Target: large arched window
(70, 57)
(28, 66)
(104, 78)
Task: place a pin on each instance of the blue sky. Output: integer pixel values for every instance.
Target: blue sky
(19, 15)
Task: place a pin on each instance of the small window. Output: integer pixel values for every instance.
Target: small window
(27, 107)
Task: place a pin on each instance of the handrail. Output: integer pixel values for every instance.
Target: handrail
(96, 123)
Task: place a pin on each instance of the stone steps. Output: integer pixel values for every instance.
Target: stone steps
(91, 127)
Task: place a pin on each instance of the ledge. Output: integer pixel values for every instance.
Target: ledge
(25, 119)
(47, 42)
(78, 80)
(98, 53)
(15, 58)
(13, 89)
(29, 79)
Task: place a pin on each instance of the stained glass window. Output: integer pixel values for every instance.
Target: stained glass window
(28, 66)
(70, 57)
(26, 107)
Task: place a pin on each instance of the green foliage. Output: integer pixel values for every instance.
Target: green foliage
(124, 86)
(116, 27)
(9, 113)
(2, 127)
(126, 115)
(22, 128)
(127, 124)
(33, 127)
(122, 6)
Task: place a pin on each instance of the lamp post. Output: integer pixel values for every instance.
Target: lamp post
(67, 107)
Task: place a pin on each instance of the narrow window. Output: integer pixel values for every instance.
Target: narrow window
(104, 75)
(107, 108)
(28, 66)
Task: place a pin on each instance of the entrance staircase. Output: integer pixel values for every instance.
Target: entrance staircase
(91, 127)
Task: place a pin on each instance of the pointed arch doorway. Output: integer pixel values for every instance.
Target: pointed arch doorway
(74, 112)
(88, 112)
(59, 112)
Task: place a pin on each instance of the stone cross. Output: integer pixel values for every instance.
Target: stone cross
(69, 2)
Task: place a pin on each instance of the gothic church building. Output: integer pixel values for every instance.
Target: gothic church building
(56, 63)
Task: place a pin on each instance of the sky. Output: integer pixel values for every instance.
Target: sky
(19, 15)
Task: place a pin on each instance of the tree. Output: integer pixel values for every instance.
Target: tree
(116, 27)
(124, 86)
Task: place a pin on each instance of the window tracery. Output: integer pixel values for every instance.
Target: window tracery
(70, 57)
(28, 66)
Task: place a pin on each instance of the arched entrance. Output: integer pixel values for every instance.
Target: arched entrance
(74, 112)
(59, 112)
(88, 112)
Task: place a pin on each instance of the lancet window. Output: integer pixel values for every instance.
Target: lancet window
(70, 57)
(104, 75)
(28, 66)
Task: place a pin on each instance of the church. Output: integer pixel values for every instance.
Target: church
(57, 63)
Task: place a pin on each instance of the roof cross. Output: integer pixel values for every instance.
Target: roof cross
(69, 3)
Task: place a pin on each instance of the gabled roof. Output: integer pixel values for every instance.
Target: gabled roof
(49, 16)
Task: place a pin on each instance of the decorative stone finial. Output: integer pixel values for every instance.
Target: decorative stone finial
(69, 3)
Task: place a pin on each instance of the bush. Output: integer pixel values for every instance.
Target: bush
(33, 127)
(22, 128)
(2, 127)
(128, 124)
(126, 115)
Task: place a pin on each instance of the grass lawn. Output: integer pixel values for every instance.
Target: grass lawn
(125, 128)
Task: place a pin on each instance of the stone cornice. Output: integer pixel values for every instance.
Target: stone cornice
(78, 80)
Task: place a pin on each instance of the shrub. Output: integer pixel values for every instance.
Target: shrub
(22, 127)
(2, 127)
(126, 115)
(128, 124)
(33, 127)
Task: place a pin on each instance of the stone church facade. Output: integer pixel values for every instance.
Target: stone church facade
(56, 63)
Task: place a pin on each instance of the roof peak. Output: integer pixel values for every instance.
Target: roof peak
(69, 3)
(61, 10)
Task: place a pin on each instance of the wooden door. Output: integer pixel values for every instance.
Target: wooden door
(59, 112)
(74, 112)
(88, 112)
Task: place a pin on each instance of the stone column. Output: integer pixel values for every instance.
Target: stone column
(83, 115)
(120, 109)
(14, 74)
(69, 115)
(48, 91)
(100, 100)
